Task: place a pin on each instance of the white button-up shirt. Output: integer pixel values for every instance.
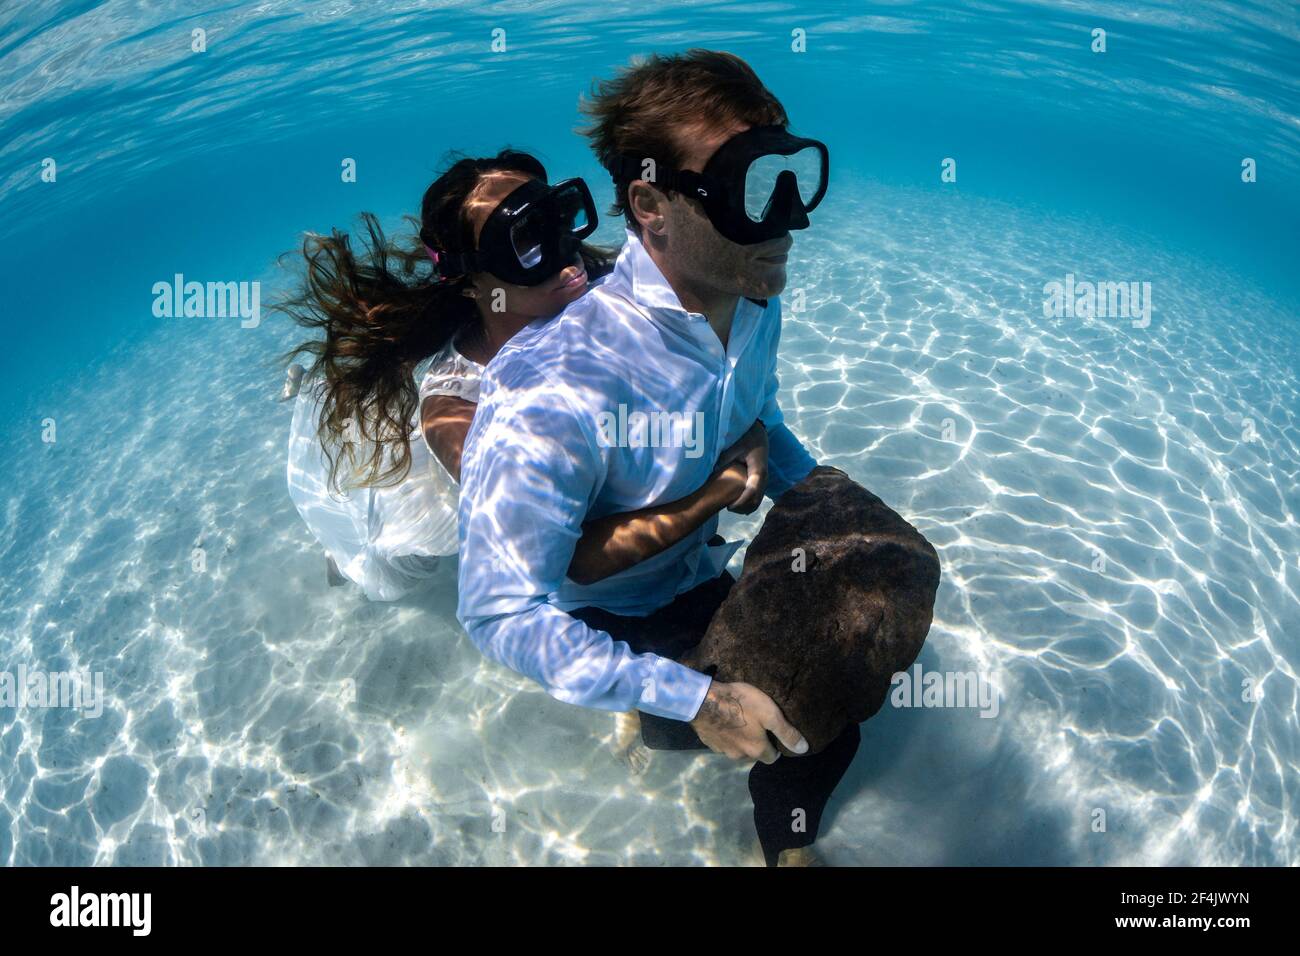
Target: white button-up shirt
(623, 401)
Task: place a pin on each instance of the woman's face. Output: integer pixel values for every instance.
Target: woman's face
(537, 301)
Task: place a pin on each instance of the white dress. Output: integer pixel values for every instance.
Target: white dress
(387, 540)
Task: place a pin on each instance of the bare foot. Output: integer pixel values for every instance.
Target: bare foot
(800, 856)
(627, 743)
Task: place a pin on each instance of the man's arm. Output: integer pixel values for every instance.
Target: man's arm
(788, 461)
(528, 476)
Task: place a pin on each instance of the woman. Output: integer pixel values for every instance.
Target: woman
(386, 404)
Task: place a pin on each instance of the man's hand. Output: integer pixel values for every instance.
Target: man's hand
(735, 718)
(750, 451)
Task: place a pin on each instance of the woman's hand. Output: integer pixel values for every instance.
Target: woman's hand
(750, 451)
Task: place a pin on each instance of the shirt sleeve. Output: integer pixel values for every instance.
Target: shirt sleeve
(453, 376)
(528, 476)
(788, 462)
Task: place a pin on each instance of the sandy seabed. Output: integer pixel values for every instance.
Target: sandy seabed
(1115, 510)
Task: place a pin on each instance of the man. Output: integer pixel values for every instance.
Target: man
(625, 401)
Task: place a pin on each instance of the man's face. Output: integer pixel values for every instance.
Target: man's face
(700, 254)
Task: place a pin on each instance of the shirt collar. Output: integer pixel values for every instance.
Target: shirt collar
(643, 279)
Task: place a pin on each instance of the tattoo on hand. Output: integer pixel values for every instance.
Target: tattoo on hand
(722, 710)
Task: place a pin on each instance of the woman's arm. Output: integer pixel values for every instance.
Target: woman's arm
(445, 419)
(616, 542)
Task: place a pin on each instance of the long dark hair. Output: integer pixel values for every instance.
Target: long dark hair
(381, 311)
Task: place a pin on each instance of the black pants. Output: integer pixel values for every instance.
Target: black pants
(779, 790)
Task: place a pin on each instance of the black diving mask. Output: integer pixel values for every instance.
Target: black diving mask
(532, 234)
(757, 186)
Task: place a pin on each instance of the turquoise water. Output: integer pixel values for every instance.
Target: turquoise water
(1115, 504)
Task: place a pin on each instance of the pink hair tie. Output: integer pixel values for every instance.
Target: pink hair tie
(437, 265)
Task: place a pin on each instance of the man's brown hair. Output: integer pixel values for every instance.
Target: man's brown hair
(652, 106)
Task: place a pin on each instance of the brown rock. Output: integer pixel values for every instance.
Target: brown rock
(824, 642)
